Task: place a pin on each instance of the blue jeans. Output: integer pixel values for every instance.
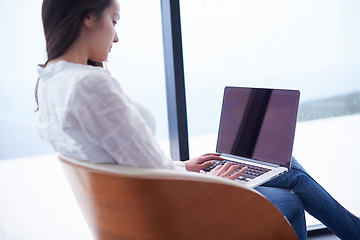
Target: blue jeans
(296, 190)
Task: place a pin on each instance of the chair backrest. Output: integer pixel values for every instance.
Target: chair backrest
(133, 203)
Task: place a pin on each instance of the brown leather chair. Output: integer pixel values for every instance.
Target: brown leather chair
(135, 203)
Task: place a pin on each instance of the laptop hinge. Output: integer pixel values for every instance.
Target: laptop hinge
(229, 156)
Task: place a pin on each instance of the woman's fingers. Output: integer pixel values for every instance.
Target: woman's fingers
(226, 167)
(239, 173)
(217, 168)
(213, 154)
(207, 164)
(229, 170)
(195, 164)
(209, 156)
(232, 169)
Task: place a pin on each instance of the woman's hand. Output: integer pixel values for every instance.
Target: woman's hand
(202, 162)
(227, 171)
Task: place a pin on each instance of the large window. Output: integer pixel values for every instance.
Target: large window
(34, 191)
(136, 61)
(311, 46)
(22, 48)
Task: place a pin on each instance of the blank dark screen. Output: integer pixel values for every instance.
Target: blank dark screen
(258, 123)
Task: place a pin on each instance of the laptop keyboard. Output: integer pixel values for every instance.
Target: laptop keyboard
(252, 172)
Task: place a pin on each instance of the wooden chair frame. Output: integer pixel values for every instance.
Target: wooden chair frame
(135, 203)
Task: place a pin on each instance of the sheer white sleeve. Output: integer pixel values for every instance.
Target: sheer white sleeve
(110, 120)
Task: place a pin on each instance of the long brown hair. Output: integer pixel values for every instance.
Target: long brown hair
(62, 22)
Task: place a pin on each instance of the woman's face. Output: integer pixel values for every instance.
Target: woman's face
(103, 33)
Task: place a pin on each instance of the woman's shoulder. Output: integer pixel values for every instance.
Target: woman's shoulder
(77, 79)
(93, 82)
(97, 78)
(84, 75)
(72, 73)
(88, 73)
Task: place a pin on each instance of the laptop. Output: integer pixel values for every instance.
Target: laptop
(257, 129)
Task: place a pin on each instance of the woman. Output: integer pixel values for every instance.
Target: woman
(84, 114)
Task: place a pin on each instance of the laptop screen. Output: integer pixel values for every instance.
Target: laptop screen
(259, 124)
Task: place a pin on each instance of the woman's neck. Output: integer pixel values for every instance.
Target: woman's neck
(75, 54)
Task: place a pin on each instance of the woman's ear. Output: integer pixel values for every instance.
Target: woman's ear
(89, 20)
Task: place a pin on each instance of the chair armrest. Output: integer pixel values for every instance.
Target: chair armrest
(155, 173)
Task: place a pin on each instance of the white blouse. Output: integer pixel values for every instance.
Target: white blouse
(84, 114)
